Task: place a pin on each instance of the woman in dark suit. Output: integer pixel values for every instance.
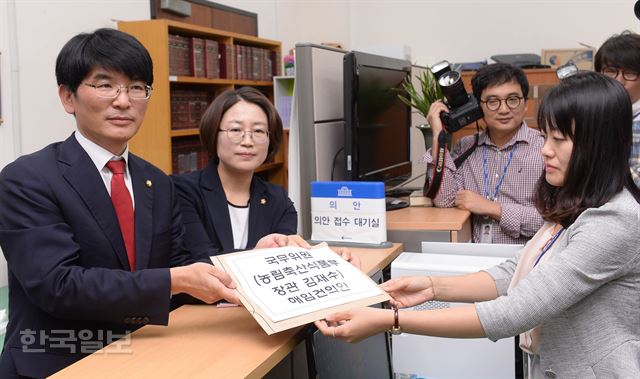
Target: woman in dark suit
(226, 207)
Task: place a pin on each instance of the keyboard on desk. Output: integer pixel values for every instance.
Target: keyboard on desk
(393, 203)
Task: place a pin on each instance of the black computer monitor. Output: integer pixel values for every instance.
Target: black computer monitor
(377, 137)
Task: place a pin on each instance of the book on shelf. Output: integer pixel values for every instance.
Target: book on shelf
(417, 199)
(188, 155)
(249, 63)
(197, 57)
(257, 57)
(239, 50)
(187, 108)
(211, 59)
(256, 63)
(225, 51)
(179, 55)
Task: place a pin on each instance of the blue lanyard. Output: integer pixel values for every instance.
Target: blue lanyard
(486, 173)
(548, 245)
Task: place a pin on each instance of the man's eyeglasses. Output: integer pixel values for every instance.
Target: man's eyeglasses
(111, 91)
(613, 72)
(493, 103)
(236, 135)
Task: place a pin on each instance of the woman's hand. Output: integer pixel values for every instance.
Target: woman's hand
(280, 240)
(348, 256)
(409, 290)
(357, 324)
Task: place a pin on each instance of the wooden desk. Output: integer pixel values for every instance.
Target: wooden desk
(203, 341)
(413, 225)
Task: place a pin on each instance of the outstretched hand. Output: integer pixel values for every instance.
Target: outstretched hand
(408, 291)
(280, 240)
(357, 324)
(348, 256)
(203, 281)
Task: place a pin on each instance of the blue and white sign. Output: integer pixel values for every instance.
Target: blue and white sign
(351, 212)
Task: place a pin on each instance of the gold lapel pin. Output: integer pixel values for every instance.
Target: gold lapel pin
(148, 183)
(263, 201)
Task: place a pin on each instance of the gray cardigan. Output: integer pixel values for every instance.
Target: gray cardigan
(586, 297)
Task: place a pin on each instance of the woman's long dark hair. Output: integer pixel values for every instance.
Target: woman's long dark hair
(594, 111)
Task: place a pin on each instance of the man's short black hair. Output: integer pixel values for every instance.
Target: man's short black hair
(619, 51)
(106, 48)
(497, 74)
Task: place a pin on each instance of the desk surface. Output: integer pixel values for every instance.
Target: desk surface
(427, 218)
(204, 341)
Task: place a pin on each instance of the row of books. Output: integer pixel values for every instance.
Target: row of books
(187, 108)
(188, 155)
(207, 58)
(256, 63)
(199, 57)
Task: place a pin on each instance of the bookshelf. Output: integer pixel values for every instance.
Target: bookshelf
(163, 139)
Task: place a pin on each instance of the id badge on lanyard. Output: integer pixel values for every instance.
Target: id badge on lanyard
(486, 229)
(486, 223)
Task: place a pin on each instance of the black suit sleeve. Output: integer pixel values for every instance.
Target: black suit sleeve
(286, 221)
(196, 238)
(180, 255)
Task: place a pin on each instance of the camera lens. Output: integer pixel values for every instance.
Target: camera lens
(440, 68)
(453, 89)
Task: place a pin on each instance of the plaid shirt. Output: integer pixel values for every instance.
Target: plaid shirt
(519, 220)
(634, 159)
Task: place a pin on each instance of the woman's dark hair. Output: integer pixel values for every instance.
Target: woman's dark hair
(497, 74)
(210, 122)
(594, 111)
(106, 48)
(620, 51)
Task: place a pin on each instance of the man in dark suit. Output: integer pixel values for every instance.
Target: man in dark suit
(92, 234)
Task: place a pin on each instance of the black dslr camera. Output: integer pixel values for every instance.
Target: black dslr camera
(463, 107)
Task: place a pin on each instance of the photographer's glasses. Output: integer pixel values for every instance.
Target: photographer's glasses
(613, 72)
(236, 135)
(111, 91)
(493, 103)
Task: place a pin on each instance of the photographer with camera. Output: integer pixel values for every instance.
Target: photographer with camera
(619, 58)
(496, 181)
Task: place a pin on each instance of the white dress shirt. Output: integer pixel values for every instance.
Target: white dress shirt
(100, 156)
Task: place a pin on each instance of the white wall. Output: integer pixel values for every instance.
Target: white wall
(459, 30)
(293, 21)
(42, 28)
(6, 129)
(456, 30)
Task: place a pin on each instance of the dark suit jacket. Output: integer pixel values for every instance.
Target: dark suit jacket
(206, 214)
(68, 267)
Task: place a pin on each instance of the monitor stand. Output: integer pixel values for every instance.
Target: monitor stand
(393, 203)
